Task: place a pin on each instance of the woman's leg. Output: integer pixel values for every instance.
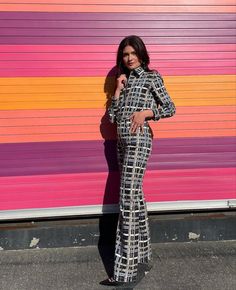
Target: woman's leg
(133, 241)
(144, 233)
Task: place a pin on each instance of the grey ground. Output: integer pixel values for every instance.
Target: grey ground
(177, 266)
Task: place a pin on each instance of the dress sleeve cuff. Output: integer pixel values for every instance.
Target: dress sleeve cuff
(156, 114)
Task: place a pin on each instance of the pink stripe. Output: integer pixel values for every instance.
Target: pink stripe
(100, 56)
(57, 72)
(88, 188)
(48, 60)
(113, 48)
(109, 64)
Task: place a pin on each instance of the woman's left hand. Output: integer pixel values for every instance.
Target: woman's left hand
(137, 121)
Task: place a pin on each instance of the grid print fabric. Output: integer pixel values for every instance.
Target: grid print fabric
(144, 91)
(133, 239)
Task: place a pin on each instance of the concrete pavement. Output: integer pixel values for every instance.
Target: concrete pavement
(177, 266)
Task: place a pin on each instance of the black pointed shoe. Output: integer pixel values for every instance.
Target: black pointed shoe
(117, 284)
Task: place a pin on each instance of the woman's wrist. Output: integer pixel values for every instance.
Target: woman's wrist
(116, 95)
(147, 113)
(114, 98)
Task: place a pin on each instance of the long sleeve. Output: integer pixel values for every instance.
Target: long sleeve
(164, 106)
(113, 108)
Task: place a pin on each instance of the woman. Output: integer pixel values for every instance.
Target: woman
(140, 95)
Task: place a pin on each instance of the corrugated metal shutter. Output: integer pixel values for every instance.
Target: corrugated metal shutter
(57, 148)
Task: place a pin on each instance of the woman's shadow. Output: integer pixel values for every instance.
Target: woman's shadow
(109, 218)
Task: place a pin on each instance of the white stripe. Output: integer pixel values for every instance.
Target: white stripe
(100, 209)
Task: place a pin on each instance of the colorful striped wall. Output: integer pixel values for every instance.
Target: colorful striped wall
(57, 147)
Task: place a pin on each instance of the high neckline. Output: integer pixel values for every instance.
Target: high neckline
(138, 70)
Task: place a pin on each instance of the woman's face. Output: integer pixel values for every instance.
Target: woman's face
(130, 58)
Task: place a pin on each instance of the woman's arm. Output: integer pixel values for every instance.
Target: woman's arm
(164, 107)
(120, 84)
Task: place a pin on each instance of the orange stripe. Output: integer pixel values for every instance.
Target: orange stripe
(34, 81)
(94, 120)
(41, 126)
(85, 92)
(128, 2)
(118, 8)
(101, 104)
(92, 88)
(18, 114)
(52, 113)
(68, 97)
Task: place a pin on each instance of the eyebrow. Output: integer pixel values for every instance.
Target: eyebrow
(133, 51)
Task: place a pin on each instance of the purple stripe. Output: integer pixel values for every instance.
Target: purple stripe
(97, 156)
(86, 16)
(96, 32)
(108, 28)
(108, 25)
(19, 40)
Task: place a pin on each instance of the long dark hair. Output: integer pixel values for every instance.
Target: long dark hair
(140, 49)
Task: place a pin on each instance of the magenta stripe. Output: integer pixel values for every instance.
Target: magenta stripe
(113, 40)
(65, 49)
(88, 156)
(110, 32)
(75, 189)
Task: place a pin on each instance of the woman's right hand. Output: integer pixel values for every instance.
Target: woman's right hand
(121, 82)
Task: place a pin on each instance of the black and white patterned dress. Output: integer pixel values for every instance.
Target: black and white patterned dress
(143, 91)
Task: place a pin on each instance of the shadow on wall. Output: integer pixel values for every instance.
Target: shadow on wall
(108, 132)
(108, 222)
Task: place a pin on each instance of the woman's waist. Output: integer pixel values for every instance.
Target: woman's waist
(124, 129)
(127, 121)
(124, 113)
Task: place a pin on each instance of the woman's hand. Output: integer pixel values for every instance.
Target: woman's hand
(137, 121)
(138, 118)
(120, 84)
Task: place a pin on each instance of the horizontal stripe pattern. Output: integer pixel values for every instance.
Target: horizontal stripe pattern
(124, 2)
(36, 40)
(104, 29)
(49, 93)
(54, 60)
(132, 6)
(57, 65)
(57, 71)
(114, 16)
(22, 159)
(92, 32)
(75, 189)
(73, 72)
(93, 124)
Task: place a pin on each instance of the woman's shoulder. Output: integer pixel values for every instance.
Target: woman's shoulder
(154, 74)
